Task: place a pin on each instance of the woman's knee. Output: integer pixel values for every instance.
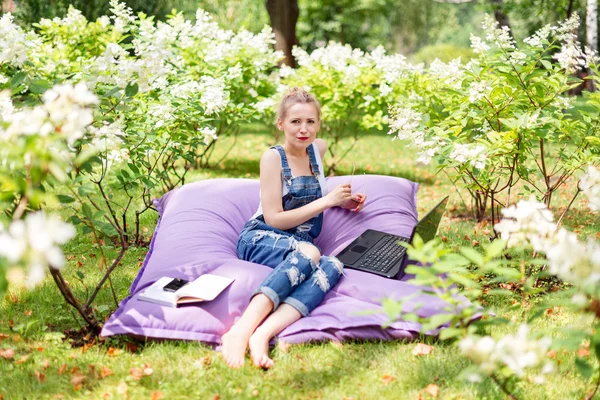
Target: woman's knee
(310, 251)
(331, 265)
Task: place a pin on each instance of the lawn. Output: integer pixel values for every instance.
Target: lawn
(48, 365)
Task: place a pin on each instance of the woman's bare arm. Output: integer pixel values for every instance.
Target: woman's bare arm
(271, 189)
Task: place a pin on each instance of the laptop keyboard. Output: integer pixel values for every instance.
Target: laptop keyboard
(385, 256)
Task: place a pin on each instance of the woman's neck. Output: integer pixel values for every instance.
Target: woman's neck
(294, 152)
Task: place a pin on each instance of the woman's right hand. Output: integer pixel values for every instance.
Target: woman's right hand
(339, 195)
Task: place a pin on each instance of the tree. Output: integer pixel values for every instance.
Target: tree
(284, 15)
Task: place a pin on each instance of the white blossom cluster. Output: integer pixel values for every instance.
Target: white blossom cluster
(215, 97)
(573, 261)
(34, 241)
(107, 141)
(405, 124)
(122, 15)
(474, 154)
(478, 90)
(590, 185)
(451, 74)
(65, 109)
(500, 36)
(208, 134)
(528, 223)
(14, 43)
(393, 66)
(479, 46)
(517, 353)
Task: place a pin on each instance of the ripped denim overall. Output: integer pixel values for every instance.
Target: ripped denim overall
(295, 278)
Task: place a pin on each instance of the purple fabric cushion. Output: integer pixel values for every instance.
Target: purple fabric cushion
(197, 233)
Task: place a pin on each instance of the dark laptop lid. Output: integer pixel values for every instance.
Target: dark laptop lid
(428, 225)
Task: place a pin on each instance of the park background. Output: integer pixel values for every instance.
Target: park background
(51, 349)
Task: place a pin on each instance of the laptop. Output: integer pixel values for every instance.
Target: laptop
(379, 252)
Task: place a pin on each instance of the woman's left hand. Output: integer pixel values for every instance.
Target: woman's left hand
(356, 202)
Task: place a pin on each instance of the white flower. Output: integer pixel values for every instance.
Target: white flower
(214, 96)
(571, 58)
(537, 39)
(3, 79)
(478, 90)
(405, 123)
(474, 154)
(266, 104)
(516, 352)
(590, 185)
(529, 222)
(478, 45)
(34, 242)
(209, 134)
(385, 90)
(500, 36)
(451, 73)
(573, 261)
(123, 15)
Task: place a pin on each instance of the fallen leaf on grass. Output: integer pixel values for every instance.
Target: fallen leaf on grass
(106, 395)
(105, 371)
(157, 395)
(387, 379)
(551, 354)
(422, 349)
(216, 397)
(45, 364)
(122, 389)
(3, 336)
(474, 243)
(131, 347)
(583, 352)
(136, 373)
(62, 369)
(28, 313)
(433, 389)
(255, 393)
(22, 360)
(203, 362)
(40, 376)
(9, 354)
(147, 370)
(283, 346)
(77, 380)
(112, 352)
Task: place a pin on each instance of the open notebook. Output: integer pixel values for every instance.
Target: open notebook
(205, 288)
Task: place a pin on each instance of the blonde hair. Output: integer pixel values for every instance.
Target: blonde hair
(297, 95)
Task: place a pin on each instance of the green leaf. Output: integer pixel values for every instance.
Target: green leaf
(85, 189)
(17, 79)
(472, 255)
(80, 275)
(449, 333)
(131, 90)
(585, 369)
(65, 199)
(39, 86)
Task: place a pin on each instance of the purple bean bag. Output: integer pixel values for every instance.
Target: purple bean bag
(197, 233)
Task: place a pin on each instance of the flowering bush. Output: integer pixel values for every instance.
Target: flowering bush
(352, 86)
(503, 117)
(526, 226)
(137, 105)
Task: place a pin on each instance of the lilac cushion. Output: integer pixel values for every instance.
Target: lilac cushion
(197, 233)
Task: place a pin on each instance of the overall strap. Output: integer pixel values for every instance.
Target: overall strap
(286, 171)
(313, 160)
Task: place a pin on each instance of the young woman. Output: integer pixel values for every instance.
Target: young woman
(280, 235)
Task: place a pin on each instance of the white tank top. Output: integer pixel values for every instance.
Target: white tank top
(321, 179)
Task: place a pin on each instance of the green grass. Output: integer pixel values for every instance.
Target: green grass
(369, 370)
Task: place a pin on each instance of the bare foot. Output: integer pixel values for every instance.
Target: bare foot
(259, 349)
(235, 343)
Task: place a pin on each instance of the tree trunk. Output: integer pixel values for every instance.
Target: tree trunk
(284, 15)
(591, 29)
(499, 14)
(591, 25)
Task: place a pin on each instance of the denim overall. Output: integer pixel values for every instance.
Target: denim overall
(295, 278)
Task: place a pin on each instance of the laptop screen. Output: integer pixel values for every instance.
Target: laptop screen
(427, 227)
